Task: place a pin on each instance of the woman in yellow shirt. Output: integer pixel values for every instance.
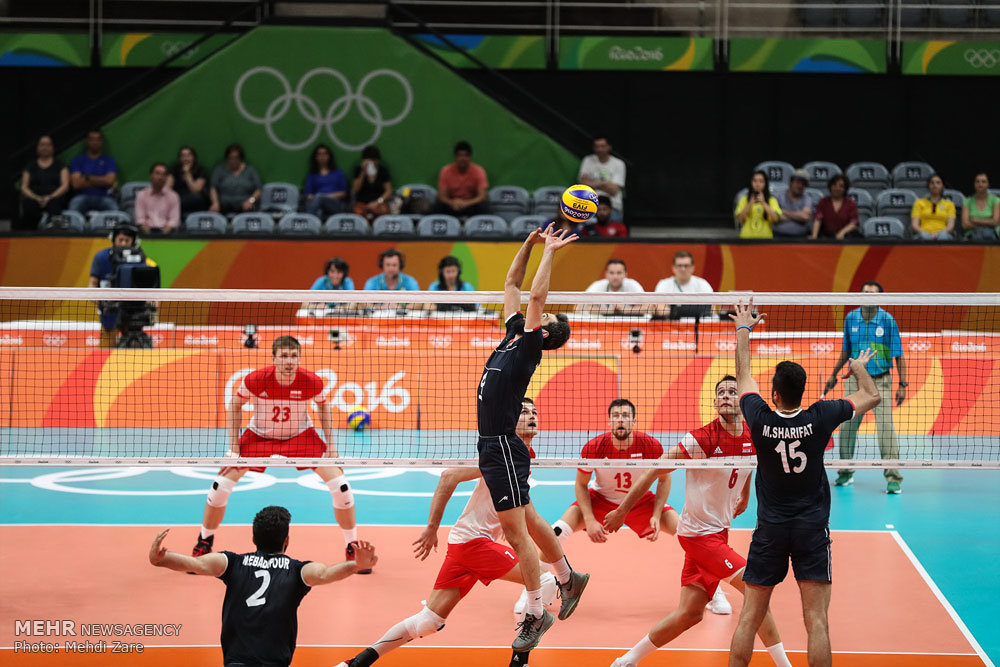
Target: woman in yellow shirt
(757, 211)
(933, 216)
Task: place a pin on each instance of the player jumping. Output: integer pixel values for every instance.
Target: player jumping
(712, 497)
(503, 458)
(280, 425)
(474, 554)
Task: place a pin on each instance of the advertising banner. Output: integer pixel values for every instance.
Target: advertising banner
(944, 57)
(648, 53)
(132, 49)
(35, 49)
(496, 51)
(837, 56)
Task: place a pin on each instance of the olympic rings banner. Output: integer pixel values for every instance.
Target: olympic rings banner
(280, 91)
(949, 57)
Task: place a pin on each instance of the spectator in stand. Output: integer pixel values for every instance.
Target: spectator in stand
(92, 175)
(450, 280)
(757, 210)
(683, 282)
(981, 211)
(933, 216)
(605, 173)
(462, 185)
(391, 262)
(187, 179)
(372, 185)
(44, 184)
(796, 207)
(326, 185)
(836, 214)
(157, 208)
(615, 280)
(235, 184)
(602, 225)
(334, 278)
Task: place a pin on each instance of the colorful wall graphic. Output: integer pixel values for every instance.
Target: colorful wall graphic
(496, 51)
(651, 53)
(846, 56)
(32, 49)
(131, 49)
(944, 57)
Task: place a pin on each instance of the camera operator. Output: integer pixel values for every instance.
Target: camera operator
(106, 270)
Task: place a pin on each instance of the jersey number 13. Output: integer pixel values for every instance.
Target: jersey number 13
(787, 451)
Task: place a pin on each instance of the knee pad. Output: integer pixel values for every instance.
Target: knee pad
(340, 489)
(218, 495)
(424, 623)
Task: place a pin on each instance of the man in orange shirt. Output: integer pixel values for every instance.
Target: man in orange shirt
(462, 185)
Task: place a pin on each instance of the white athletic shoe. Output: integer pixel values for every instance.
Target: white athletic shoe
(549, 588)
(719, 604)
(622, 662)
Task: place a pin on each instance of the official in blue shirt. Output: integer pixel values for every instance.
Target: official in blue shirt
(92, 175)
(870, 327)
(334, 278)
(392, 277)
(450, 280)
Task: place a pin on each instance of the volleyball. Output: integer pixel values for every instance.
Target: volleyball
(579, 203)
(358, 420)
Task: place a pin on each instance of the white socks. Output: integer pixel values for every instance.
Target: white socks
(562, 530)
(535, 603)
(350, 534)
(640, 650)
(207, 532)
(777, 653)
(561, 569)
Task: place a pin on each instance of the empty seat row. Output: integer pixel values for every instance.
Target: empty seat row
(871, 176)
(912, 13)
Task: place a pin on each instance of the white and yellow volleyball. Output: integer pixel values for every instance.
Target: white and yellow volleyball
(579, 203)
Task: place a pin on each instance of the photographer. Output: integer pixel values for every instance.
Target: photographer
(106, 271)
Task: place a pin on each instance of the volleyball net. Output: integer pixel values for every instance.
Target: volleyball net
(157, 386)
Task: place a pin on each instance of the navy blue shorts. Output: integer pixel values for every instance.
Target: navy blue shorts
(772, 546)
(505, 463)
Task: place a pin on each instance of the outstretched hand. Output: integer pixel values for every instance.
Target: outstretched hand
(158, 552)
(557, 238)
(364, 555)
(537, 235)
(863, 358)
(426, 543)
(744, 316)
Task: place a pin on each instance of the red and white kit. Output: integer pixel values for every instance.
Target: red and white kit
(710, 497)
(281, 423)
(610, 485)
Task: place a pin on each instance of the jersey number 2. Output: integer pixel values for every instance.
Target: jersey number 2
(281, 414)
(624, 480)
(787, 452)
(257, 599)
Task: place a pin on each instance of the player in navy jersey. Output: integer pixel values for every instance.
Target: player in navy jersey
(263, 588)
(504, 460)
(793, 493)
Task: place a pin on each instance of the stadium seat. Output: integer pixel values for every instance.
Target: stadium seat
(913, 17)
(776, 170)
(446, 226)
(521, 226)
(956, 197)
(419, 191)
(103, 221)
(883, 228)
(864, 200)
(392, 225)
(67, 221)
(870, 176)
(205, 222)
(253, 222)
(545, 201)
(489, 225)
(817, 17)
(279, 198)
(509, 201)
(952, 17)
(347, 224)
(816, 195)
(896, 203)
(300, 224)
(911, 175)
(862, 17)
(820, 172)
(128, 192)
(991, 16)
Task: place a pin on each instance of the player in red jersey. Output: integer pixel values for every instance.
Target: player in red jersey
(712, 498)
(280, 395)
(474, 554)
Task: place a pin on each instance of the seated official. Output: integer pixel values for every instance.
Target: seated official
(334, 278)
(450, 280)
(615, 280)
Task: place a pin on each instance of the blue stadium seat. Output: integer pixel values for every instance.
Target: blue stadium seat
(128, 192)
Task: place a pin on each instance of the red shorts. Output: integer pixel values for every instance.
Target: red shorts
(637, 519)
(307, 444)
(708, 559)
(481, 559)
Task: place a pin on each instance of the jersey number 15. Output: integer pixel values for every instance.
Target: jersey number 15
(787, 451)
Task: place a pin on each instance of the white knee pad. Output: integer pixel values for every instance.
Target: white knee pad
(340, 489)
(218, 495)
(424, 623)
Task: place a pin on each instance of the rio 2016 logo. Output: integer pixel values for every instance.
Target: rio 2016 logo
(346, 396)
(309, 111)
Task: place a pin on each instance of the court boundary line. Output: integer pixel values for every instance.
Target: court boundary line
(331, 524)
(919, 567)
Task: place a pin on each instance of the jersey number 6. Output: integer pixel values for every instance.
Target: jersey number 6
(787, 451)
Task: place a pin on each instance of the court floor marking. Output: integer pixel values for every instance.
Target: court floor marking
(918, 566)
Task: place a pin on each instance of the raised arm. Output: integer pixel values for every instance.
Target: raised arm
(211, 565)
(831, 382)
(867, 396)
(318, 574)
(540, 284)
(515, 274)
(450, 479)
(745, 322)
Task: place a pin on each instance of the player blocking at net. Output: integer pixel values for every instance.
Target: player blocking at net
(474, 554)
(712, 498)
(504, 460)
(280, 396)
(793, 493)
